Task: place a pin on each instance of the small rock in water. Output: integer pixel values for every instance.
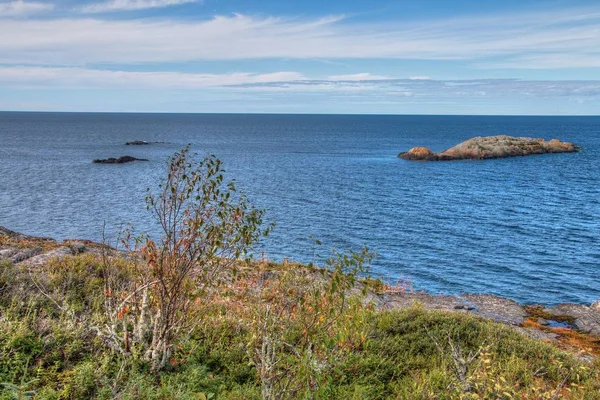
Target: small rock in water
(120, 160)
(137, 143)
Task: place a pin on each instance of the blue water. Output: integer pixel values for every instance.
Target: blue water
(526, 228)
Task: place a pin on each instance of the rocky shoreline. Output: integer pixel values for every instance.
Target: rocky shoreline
(489, 147)
(585, 318)
(556, 323)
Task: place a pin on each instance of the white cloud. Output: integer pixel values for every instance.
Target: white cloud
(68, 78)
(123, 5)
(455, 89)
(287, 92)
(545, 61)
(20, 8)
(420, 78)
(292, 82)
(567, 35)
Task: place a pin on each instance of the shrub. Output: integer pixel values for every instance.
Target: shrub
(207, 227)
(304, 323)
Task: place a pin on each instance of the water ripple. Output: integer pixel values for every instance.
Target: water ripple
(527, 228)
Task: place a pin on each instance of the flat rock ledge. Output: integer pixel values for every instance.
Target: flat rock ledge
(120, 160)
(582, 317)
(33, 251)
(575, 317)
(488, 147)
(487, 306)
(20, 236)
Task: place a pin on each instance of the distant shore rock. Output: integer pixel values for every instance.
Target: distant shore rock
(120, 160)
(484, 147)
(137, 143)
(141, 143)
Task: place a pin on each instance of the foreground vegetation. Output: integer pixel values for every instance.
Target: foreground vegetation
(402, 354)
(190, 316)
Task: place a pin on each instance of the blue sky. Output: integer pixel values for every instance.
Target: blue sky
(327, 56)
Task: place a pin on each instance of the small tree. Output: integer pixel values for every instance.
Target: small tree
(304, 321)
(207, 227)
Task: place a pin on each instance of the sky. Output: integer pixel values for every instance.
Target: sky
(474, 57)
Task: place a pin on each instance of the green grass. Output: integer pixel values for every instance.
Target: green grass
(398, 360)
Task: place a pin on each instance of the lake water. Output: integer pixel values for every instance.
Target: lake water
(525, 228)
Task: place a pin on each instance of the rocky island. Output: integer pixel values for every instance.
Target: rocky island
(486, 147)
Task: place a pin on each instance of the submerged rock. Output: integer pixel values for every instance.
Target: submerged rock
(483, 147)
(120, 160)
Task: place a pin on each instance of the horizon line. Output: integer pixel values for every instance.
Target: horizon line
(294, 114)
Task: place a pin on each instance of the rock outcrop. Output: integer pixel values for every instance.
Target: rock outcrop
(32, 251)
(484, 147)
(586, 319)
(20, 236)
(487, 306)
(120, 160)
